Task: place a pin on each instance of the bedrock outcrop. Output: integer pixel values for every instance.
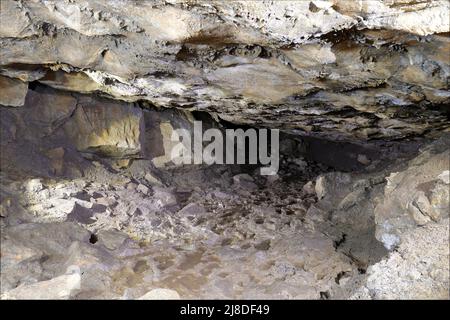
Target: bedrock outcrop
(339, 69)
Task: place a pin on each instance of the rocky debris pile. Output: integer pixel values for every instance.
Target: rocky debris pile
(363, 207)
(202, 242)
(203, 236)
(417, 269)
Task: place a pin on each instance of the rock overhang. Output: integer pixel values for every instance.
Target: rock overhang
(332, 69)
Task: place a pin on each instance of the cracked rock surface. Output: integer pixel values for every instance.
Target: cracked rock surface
(367, 70)
(93, 207)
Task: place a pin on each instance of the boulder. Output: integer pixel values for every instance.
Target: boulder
(244, 181)
(107, 128)
(61, 287)
(416, 195)
(161, 294)
(13, 92)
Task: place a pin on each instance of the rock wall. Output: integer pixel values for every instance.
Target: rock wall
(416, 196)
(406, 208)
(55, 133)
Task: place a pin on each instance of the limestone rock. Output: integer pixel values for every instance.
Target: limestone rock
(92, 91)
(244, 181)
(62, 287)
(13, 92)
(326, 185)
(192, 210)
(416, 195)
(334, 69)
(164, 196)
(107, 128)
(143, 189)
(161, 294)
(418, 270)
(151, 179)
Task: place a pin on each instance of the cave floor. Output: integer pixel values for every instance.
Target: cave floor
(213, 234)
(209, 232)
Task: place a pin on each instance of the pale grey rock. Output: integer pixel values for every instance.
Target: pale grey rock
(13, 92)
(151, 179)
(326, 185)
(245, 182)
(143, 189)
(112, 239)
(61, 287)
(309, 188)
(160, 294)
(416, 195)
(164, 197)
(34, 185)
(417, 270)
(192, 210)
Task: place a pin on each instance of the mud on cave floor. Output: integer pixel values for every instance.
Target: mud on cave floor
(212, 232)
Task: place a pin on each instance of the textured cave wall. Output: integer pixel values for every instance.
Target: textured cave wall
(91, 90)
(338, 69)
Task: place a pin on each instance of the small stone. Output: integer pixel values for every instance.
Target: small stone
(272, 178)
(106, 201)
(34, 185)
(6, 203)
(362, 158)
(96, 195)
(309, 188)
(320, 187)
(220, 194)
(131, 186)
(263, 245)
(112, 239)
(122, 163)
(143, 189)
(62, 205)
(192, 209)
(161, 294)
(164, 197)
(302, 164)
(244, 181)
(152, 180)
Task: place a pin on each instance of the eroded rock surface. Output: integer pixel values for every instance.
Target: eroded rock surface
(201, 234)
(92, 206)
(367, 70)
(416, 196)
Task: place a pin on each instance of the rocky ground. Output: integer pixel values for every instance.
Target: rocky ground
(201, 237)
(218, 232)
